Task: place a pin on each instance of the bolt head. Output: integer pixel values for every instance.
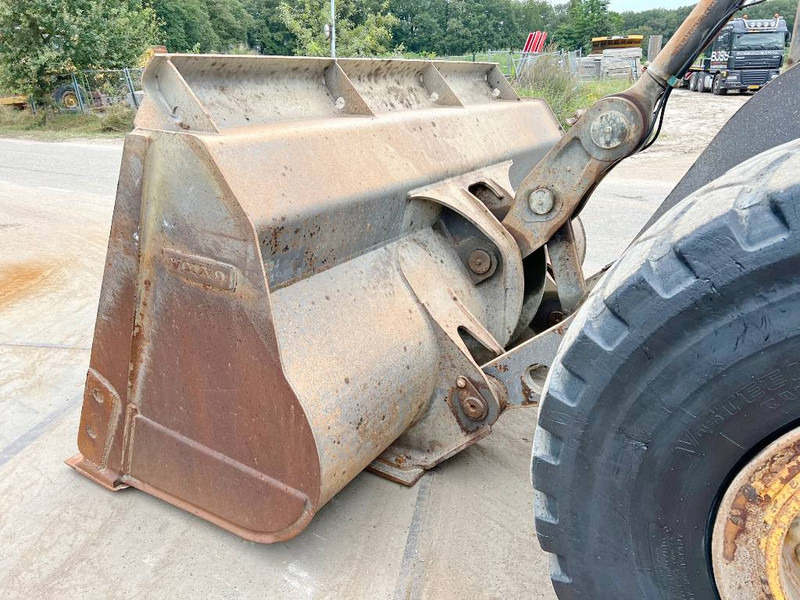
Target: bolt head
(480, 262)
(461, 382)
(555, 317)
(474, 407)
(610, 130)
(541, 201)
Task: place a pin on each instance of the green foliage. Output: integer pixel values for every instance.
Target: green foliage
(117, 120)
(185, 25)
(203, 25)
(564, 92)
(42, 38)
(474, 25)
(269, 34)
(545, 79)
(586, 19)
(457, 27)
(362, 28)
(231, 22)
(657, 21)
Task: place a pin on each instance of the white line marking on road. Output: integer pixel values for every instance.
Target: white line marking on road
(53, 189)
(116, 148)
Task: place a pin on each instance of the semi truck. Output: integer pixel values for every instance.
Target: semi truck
(745, 56)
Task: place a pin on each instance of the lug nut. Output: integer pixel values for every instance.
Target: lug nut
(474, 408)
(480, 262)
(541, 201)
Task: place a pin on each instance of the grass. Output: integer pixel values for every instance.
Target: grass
(563, 91)
(113, 122)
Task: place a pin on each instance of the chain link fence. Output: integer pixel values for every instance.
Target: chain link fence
(568, 62)
(516, 64)
(94, 90)
(503, 58)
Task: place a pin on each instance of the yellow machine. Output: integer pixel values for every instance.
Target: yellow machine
(599, 44)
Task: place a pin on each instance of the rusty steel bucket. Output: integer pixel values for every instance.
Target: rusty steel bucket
(306, 271)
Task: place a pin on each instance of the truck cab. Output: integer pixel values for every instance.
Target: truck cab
(746, 55)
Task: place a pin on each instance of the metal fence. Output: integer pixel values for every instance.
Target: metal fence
(94, 90)
(503, 58)
(512, 64)
(567, 61)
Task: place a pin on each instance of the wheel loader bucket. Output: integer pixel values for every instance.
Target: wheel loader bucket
(305, 271)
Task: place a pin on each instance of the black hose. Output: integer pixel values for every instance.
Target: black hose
(661, 105)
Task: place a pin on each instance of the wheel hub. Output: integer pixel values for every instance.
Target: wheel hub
(756, 540)
(69, 100)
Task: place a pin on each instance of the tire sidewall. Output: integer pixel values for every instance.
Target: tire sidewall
(720, 419)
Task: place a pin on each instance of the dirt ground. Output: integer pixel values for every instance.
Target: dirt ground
(465, 531)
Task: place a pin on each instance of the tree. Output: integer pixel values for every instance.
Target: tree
(186, 26)
(268, 33)
(362, 28)
(536, 15)
(40, 39)
(420, 25)
(203, 25)
(586, 19)
(231, 22)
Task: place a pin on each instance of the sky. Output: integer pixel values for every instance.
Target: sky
(623, 5)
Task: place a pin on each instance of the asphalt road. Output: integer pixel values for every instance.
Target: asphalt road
(464, 532)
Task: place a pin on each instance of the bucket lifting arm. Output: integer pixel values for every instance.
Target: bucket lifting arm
(612, 129)
(556, 189)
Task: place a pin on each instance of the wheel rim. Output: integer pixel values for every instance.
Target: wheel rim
(69, 100)
(755, 545)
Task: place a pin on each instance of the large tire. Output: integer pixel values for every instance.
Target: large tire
(683, 363)
(65, 97)
(693, 83)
